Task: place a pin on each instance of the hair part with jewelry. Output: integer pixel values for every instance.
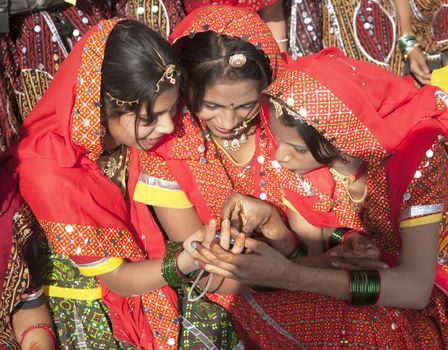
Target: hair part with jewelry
(321, 149)
(138, 66)
(209, 57)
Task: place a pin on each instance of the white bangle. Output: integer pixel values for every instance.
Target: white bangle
(285, 40)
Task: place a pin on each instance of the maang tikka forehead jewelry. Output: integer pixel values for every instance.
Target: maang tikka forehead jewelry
(237, 60)
(170, 73)
(120, 103)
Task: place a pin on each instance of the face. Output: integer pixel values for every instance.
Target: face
(292, 152)
(149, 133)
(227, 104)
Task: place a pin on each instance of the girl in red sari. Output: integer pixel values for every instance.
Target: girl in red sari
(359, 148)
(78, 164)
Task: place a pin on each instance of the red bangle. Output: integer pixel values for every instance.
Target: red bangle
(43, 326)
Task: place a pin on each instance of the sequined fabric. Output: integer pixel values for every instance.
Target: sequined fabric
(31, 54)
(365, 29)
(320, 108)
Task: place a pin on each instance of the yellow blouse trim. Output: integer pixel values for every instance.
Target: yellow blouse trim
(423, 220)
(288, 204)
(72, 293)
(161, 197)
(99, 268)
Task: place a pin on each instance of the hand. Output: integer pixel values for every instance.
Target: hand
(246, 213)
(355, 253)
(265, 266)
(418, 66)
(205, 235)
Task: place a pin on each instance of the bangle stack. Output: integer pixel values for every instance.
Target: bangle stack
(364, 287)
(44, 326)
(337, 236)
(407, 43)
(299, 249)
(170, 271)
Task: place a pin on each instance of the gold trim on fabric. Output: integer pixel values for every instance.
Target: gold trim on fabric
(72, 293)
(288, 204)
(99, 267)
(161, 197)
(424, 220)
(421, 210)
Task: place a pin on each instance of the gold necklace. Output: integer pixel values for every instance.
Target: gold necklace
(112, 165)
(234, 144)
(346, 181)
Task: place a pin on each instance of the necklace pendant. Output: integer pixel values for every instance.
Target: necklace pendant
(235, 145)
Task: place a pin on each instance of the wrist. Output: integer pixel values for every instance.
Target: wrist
(185, 263)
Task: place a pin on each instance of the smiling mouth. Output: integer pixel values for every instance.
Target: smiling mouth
(225, 131)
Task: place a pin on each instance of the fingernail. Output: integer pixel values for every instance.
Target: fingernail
(235, 231)
(385, 266)
(193, 245)
(335, 264)
(196, 263)
(225, 222)
(212, 222)
(333, 254)
(218, 234)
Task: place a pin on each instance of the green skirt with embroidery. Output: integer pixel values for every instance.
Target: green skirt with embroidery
(79, 324)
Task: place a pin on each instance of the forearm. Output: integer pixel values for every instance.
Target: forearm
(274, 18)
(400, 286)
(25, 318)
(136, 278)
(404, 16)
(332, 283)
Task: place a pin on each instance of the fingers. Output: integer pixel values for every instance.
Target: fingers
(224, 238)
(210, 231)
(218, 257)
(418, 66)
(359, 264)
(255, 246)
(229, 207)
(238, 246)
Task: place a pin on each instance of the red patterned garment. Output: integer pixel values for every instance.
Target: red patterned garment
(161, 16)
(254, 5)
(31, 54)
(83, 214)
(202, 174)
(407, 186)
(365, 30)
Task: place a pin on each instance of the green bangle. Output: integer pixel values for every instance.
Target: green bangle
(300, 252)
(336, 237)
(170, 271)
(407, 43)
(364, 287)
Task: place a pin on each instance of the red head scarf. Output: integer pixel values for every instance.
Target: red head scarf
(184, 151)
(235, 22)
(80, 209)
(366, 112)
